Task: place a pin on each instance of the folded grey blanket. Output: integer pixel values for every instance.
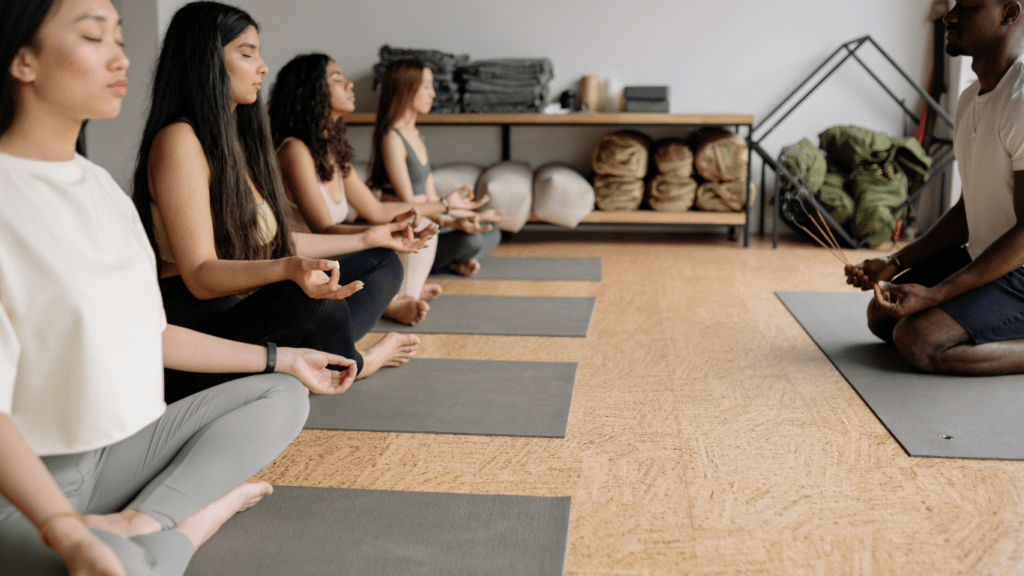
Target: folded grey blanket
(499, 108)
(480, 99)
(508, 67)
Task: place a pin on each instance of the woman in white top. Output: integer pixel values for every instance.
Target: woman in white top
(307, 104)
(93, 464)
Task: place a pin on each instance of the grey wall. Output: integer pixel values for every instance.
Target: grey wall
(717, 57)
(114, 143)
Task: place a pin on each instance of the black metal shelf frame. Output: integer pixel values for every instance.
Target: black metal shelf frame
(848, 50)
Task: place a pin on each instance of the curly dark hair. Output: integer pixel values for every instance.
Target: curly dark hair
(300, 107)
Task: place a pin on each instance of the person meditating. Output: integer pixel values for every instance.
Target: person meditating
(960, 309)
(400, 167)
(209, 194)
(98, 476)
(307, 103)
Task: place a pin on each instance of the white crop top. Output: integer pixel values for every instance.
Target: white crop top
(82, 319)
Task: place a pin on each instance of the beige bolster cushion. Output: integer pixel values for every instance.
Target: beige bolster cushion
(510, 186)
(561, 195)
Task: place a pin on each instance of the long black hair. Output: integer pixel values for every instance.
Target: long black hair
(191, 84)
(19, 27)
(300, 107)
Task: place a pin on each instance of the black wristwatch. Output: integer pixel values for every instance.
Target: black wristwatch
(271, 358)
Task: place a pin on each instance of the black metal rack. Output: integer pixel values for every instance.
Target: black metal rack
(943, 157)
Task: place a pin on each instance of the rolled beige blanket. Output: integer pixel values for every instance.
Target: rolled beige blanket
(671, 193)
(618, 193)
(673, 156)
(622, 154)
(721, 196)
(720, 155)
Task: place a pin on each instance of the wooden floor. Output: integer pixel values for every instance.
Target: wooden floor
(708, 434)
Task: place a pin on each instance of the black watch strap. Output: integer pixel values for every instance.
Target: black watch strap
(271, 358)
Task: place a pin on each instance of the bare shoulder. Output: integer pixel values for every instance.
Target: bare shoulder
(178, 140)
(293, 151)
(392, 142)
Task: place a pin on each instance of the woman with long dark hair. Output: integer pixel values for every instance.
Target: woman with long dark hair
(98, 475)
(401, 168)
(209, 193)
(307, 104)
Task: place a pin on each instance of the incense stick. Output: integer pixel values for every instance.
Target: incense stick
(834, 241)
(823, 245)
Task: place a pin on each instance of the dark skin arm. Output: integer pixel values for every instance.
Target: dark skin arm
(949, 232)
(1003, 256)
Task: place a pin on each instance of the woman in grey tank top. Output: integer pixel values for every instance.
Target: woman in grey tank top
(401, 168)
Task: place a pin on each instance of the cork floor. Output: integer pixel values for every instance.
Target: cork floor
(708, 434)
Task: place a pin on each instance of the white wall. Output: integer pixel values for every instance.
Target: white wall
(717, 57)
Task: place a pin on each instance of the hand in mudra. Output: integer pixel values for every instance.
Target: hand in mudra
(311, 368)
(469, 225)
(902, 300)
(462, 199)
(869, 272)
(494, 215)
(398, 236)
(312, 276)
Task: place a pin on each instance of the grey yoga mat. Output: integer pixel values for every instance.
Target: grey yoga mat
(482, 397)
(502, 316)
(533, 268)
(928, 414)
(299, 531)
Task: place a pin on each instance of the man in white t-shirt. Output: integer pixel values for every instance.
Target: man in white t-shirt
(960, 309)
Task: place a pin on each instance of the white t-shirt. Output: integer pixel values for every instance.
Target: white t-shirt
(82, 319)
(989, 145)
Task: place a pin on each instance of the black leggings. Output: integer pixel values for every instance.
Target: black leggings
(282, 313)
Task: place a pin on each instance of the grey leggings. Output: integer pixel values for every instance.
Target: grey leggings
(200, 449)
(457, 246)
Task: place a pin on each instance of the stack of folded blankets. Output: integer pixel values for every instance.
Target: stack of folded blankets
(721, 158)
(443, 65)
(673, 189)
(506, 85)
(620, 165)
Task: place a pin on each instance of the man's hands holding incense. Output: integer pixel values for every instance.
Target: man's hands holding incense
(869, 272)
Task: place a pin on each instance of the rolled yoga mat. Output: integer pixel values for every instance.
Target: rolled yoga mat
(533, 268)
(928, 414)
(300, 531)
(501, 316)
(481, 397)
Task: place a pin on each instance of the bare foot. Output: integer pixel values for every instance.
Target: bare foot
(467, 268)
(429, 292)
(407, 310)
(392, 350)
(126, 523)
(203, 524)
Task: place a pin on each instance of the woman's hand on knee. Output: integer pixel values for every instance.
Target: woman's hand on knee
(312, 276)
(311, 368)
(470, 225)
(398, 236)
(462, 199)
